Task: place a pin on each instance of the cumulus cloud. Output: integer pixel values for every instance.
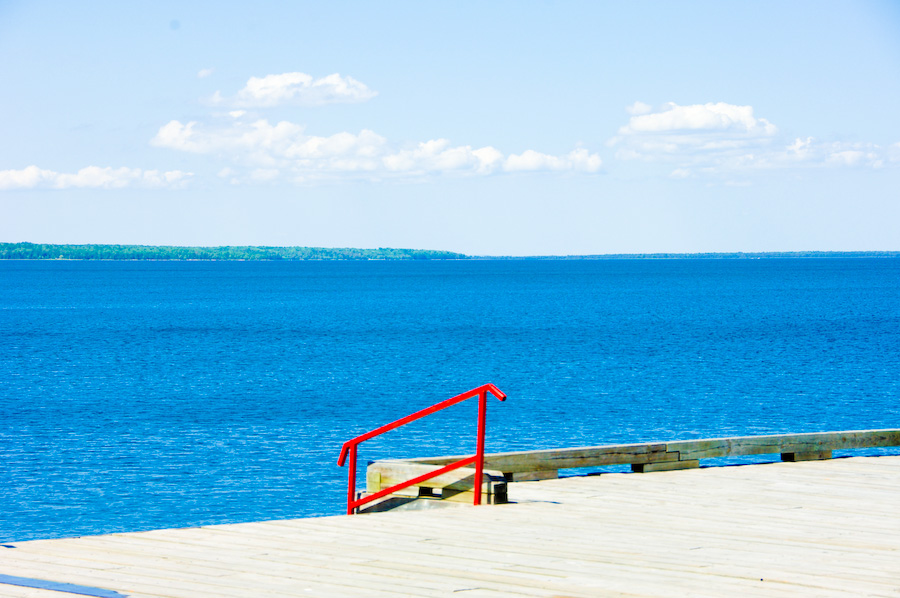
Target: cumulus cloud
(718, 138)
(812, 152)
(297, 89)
(438, 155)
(204, 73)
(256, 149)
(94, 177)
(261, 144)
(285, 148)
(577, 160)
(679, 132)
(26, 178)
(698, 118)
(848, 157)
(532, 160)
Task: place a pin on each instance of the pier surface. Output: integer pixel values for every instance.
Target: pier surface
(813, 528)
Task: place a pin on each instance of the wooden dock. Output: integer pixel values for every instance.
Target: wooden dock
(824, 528)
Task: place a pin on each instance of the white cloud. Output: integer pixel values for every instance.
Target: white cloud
(800, 147)
(94, 177)
(297, 89)
(532, 160)
(689, 134)
(257, 150)
(812, 152)
(718, 138)
(639, 108)
(584, 161)
(259, 142)
(176, 135)
(438, 156)
(286, 147)
(204, 73)
(699, 118)
(578, 160)
(847, 157)
(27, 178)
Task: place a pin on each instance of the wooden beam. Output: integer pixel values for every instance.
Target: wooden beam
(383, 474)
(643, 457)
(681, 450)
(530, 461)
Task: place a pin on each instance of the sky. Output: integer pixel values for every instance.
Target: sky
(488, 128)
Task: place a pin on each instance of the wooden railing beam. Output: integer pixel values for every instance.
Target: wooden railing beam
(800, 445)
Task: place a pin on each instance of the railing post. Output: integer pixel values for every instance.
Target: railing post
(479, 450)
(349, 448)
(351, 480)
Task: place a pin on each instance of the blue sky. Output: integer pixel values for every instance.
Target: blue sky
(524, 128)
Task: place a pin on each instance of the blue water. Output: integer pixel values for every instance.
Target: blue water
(143, 395)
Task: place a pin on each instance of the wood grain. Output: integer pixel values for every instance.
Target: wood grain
(827, 528)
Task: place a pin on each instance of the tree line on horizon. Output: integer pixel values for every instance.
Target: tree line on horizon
(41, 251)
(44, 251)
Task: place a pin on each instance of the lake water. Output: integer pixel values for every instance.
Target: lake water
(142, 395)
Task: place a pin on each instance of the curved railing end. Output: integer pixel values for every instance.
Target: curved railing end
(344, 450)
(495, 391)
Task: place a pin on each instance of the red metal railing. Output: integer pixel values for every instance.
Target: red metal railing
(349, 448)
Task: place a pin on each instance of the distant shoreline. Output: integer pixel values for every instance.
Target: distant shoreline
(708, 256)
(47, 251)
(90, 252)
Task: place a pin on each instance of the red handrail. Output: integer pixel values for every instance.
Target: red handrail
(349, 447)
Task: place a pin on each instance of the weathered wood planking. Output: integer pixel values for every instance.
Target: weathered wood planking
(802, 445)
(823, 529)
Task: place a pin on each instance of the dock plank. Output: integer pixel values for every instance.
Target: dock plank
(812, 528)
